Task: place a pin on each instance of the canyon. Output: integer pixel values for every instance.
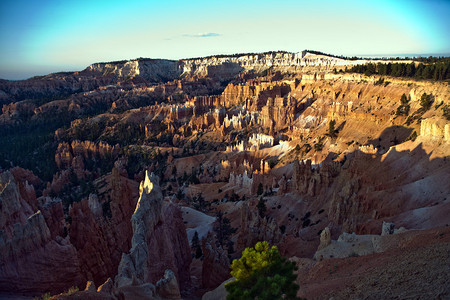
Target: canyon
(144, 178)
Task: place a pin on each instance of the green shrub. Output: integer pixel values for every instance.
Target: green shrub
(45, 296)
(318, 146)
(412, 136)
(353, 254)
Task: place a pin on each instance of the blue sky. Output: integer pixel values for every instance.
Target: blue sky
(40, 37)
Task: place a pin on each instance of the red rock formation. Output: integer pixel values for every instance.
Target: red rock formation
(60, 179)
(102, 232)
(216, 265)
(63, 156)
(33, 257)
(88, 237)
(159, 240)
(53, 213)
(27, 182)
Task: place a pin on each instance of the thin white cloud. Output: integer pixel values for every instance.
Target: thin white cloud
(202, 35)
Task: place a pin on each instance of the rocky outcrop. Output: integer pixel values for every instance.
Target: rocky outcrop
(159, 239)
(90, 236)
(57, 86)
(387, 229)
(435, 129)
(107, 287)
(255, 228)
(167, 287)
(325, 238)
(348, 245)
(357, 245)
(309, 180)
(159, 70)
(52, 210)
(12, 208)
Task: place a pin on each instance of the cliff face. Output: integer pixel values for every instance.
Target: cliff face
(231, 65)
(152, 70)
(101, 231)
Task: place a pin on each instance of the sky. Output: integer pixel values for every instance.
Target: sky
(45, 36)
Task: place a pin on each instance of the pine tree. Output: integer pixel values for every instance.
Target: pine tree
(261, 207)
(195, 245)
(331, 129)
(425, 101)
(260, 189)
(223, 229)
(403, 99)
(262, 273)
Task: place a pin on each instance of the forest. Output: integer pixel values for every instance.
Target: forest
(434, 68)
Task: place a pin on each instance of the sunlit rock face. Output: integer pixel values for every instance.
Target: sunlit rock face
(434, 129)
(153, 70)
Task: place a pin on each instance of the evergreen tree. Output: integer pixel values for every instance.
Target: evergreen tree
(260, 189)
(426, 101)
(410, 70)
(331, 129)
(403, 99)
(223, 229)
(404, 107)
(195, 245)
(261, 207)
(262, 273)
